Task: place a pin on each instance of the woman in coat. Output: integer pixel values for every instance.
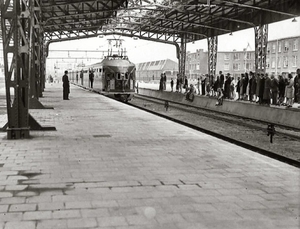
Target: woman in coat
(289, 91)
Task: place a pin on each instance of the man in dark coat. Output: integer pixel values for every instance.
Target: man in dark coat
(227, 86)
(274, 90)
(91, 77)
(66, 86)
(221, 80)
(261, 88)
(203, 84)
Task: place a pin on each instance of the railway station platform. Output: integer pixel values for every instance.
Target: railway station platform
(278, 115)
(112, 166)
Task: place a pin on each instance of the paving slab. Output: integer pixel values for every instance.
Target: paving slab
(109, 165)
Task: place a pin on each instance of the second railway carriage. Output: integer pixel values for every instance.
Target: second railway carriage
(114, 76)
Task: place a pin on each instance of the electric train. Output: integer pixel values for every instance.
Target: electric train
(114, 76)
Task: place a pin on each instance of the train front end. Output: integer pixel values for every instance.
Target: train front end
(118, 78)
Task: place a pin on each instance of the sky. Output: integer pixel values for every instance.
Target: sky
(142, 51)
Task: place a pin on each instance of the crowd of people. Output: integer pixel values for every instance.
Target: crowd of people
(265, 89)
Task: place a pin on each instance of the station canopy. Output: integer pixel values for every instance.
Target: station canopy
(164, 20)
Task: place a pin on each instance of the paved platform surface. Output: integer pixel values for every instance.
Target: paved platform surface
(112, 166)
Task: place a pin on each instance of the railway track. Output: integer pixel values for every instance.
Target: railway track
(248, 133)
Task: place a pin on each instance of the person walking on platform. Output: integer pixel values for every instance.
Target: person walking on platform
(66, 86)
(91, 77)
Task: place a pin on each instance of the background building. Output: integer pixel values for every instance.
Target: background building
(236, 62)
(283, 55)
(196, 64)
(152, 70)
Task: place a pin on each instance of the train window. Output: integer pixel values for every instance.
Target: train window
(126, 76)
(118, 75)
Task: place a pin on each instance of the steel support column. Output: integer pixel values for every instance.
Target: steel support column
(212, 44)
(15, 21)
(261, 41)
(181, 55)
(34, 71)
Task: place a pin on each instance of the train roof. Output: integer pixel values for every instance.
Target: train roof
(121, 61)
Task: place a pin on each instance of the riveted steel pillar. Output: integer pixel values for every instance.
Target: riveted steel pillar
(43, 66)
(212, 44)
(15, 21)
(34, 70)
(261, 41)
(182, 56)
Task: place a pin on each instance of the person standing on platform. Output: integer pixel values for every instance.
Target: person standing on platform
(297, 86)
(238, 88)
(91, 77)
(203, 84)
(222, 80)
(177, 83)
(165, 82)
(281, 89)
(289, 91)
(253, 87)
(274, 90)
(81, 77)
(198, 85)
(172, 84)
(227, 86)
(66, 86)
(161, 82)
(261, 88)
(267, 90)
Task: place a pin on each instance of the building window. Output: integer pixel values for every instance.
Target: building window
(279, 46)
(236, 56)
(226, 57)
(248, 55)
(273, 48)
(236, 66)
(273, 63)
(267, 63)
(295, 45)
(294, 61)
(248, 66)
(226, 67)
(279, 62)
(285, 62)
(286, 46)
